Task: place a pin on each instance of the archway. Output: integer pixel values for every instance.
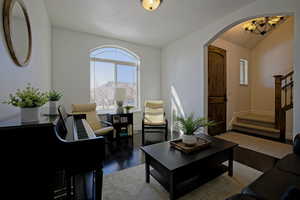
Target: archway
(229, 27)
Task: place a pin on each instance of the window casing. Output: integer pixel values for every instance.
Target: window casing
(112, 67)
(243, 72)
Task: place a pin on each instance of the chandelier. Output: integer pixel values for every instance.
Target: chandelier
(263, 25)
(151, 5)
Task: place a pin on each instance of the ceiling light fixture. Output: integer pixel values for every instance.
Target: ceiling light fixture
(151, 5)
(263, 25)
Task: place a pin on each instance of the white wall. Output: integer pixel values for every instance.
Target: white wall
(274, 55)
(71, 66)
(184, 61)
(238, 95)
(38, 72)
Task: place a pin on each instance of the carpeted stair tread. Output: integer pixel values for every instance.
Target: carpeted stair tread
(256, 127)
(257, 118)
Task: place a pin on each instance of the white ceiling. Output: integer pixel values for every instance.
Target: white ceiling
(239, 36)
(127, 20)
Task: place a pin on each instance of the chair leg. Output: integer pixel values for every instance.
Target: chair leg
(166, 132)
(143, 135)
(166, 135)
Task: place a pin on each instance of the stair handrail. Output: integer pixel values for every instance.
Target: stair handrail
(283, 100)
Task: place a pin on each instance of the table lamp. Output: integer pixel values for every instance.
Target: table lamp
(120, 96)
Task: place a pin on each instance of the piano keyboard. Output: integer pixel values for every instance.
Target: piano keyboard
(89, 130)
(84, 131)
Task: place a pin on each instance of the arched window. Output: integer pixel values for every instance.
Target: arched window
(113, 67)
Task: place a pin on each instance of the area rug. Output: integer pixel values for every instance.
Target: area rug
(130, 184)
(268, 147)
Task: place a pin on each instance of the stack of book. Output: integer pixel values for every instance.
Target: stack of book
(123, 132)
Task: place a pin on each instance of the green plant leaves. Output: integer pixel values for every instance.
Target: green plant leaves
(190, 124)
(28, 98)
(54, 95)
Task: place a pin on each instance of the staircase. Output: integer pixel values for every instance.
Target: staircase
(273, 127)
(257, 125)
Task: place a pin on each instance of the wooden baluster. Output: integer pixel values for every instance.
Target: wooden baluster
(280, 112)
(278, 99)
(282, 125)
(285, 92)
(292, 90)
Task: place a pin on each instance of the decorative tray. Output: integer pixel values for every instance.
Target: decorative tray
(200, 145)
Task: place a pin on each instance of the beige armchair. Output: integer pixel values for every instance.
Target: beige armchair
(99, 127)
(154, 119)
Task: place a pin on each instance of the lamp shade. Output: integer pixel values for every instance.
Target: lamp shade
(120, 94)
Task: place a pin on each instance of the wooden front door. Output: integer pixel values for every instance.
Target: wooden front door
(217, 89)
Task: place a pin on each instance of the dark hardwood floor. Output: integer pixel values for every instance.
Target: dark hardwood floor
(124, 156)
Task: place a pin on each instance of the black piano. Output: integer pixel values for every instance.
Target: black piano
(41, 160)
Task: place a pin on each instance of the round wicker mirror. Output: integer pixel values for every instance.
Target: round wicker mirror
(17, 31)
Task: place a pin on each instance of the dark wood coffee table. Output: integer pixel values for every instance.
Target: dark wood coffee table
(179, 173)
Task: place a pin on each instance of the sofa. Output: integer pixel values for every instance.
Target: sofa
(282, 182)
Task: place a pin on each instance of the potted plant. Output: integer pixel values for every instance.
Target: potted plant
(190, 125)
(53, 96)
(29, 101)
(128, 108)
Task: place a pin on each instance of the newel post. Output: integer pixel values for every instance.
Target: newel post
(278, 99)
